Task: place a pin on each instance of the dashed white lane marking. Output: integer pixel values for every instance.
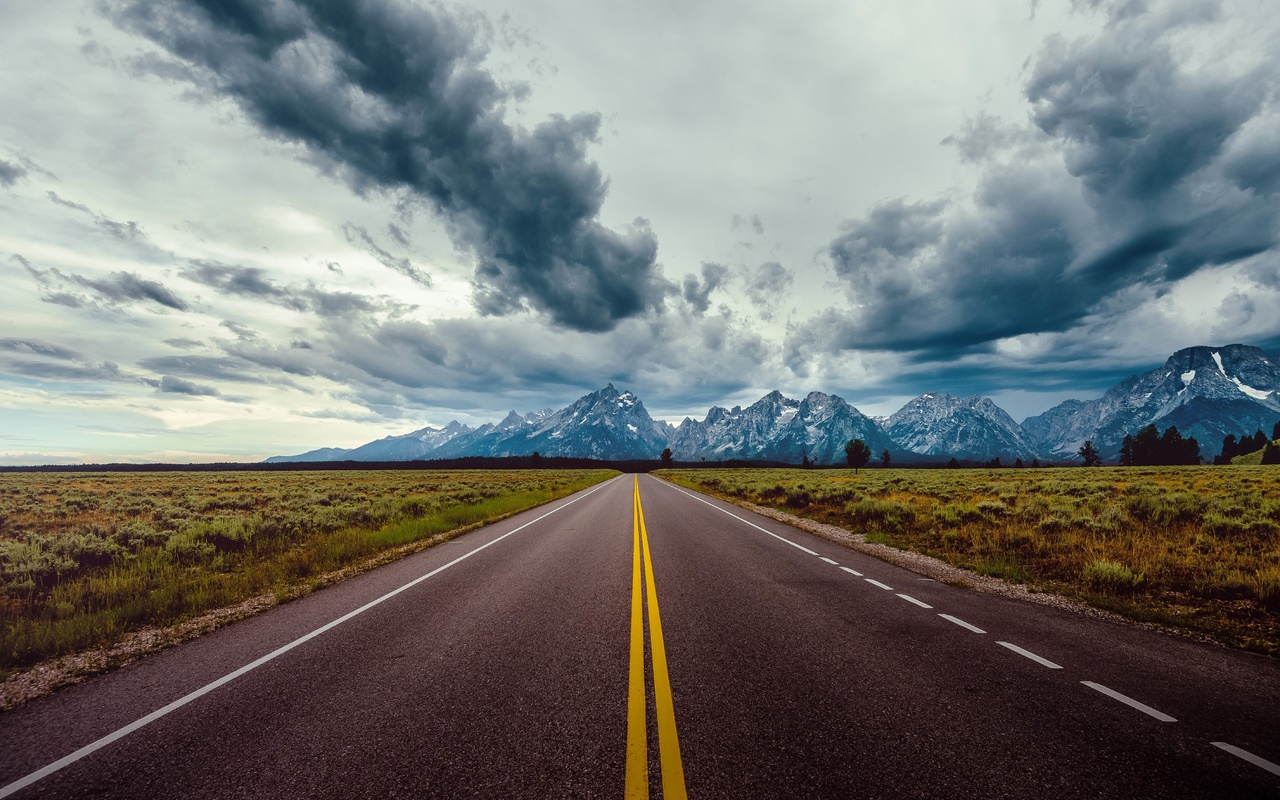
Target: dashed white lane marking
(95, 746)
(1028, 654)
(962, 623)
(911, 599)
(829, 561)
(1129, 701)
(852, 571)
(1257, 761)
(743, 521)
(878, 583)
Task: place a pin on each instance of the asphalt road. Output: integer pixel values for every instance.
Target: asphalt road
(505, 664)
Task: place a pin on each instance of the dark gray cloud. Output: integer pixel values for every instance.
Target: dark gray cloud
(183, 343)
(766, 284)
(253, 283)
(11, 173)
(128, 231)
(36, 347)
(398, 234)
(768, 281)
(241, 281)
(62, 371)
(1136, 169)
(391, 96)
(112, 291)
(126, 287)
(168, 384)
(223, 368)
(357, 235)
(698, 293)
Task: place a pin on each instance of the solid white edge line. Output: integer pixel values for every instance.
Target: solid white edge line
(1257, 761)
(1129, 701)
(911, 599)
(740, 519)
(829, 561)
(878, 583)
(1028, 654)
(852, 571)
(94, 746)
(962, 623)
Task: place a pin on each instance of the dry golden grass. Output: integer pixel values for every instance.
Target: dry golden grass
(1197, 548)
(87, 558)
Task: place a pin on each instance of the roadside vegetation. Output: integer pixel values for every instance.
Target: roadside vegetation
(1197, 548)
(88, 558)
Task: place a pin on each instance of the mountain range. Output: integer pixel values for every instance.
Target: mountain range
(1206, 392)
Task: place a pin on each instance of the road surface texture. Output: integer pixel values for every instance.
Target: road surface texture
(637, 639)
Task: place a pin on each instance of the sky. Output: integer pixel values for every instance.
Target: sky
(230, 230)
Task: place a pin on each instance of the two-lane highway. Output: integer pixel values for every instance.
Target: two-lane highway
(638, 639)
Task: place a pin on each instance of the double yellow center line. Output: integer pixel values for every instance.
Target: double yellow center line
(637, 738)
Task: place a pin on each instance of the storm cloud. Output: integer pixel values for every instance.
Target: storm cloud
(11, 173)
(394, 96)
(1136, 170)
(168, 384)
(111, 291)
(253, 283)
(357, 235)
(698, 293)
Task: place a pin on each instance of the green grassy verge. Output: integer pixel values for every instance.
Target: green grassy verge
(87, 559)
(1195, 548)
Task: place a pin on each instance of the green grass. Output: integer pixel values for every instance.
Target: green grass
(1193, 547)
(87, 559)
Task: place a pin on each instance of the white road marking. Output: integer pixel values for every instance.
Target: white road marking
(829, 561)
(1129, 701)
(852, 571)
(962, 623)
(95, 746)
(1257, 761)
(1028, 654)
(911, 599)
(743, 521)
(878, 583)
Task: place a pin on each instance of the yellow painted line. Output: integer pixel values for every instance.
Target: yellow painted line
(637, 786)
(668, 742)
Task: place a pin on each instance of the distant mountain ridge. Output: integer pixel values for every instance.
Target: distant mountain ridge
(972, 428)
(1207, 392)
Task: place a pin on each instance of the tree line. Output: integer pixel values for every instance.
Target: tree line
(1231, 447)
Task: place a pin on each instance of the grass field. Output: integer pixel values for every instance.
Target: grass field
(88, 558)
(1197, 548)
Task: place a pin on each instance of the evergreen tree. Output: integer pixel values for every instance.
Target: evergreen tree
(1090, 454)
(1275, 432)
(1271, 454)
(1229, 450)
(953, 464)
(857, 454)
(1018, 464)
(666, 457)
(884, 459)
(1126, 452)
(1035, 463)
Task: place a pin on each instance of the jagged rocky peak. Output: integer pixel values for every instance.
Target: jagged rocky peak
(1206, 392)
(511, 421)
(1225, 372)
(937, 423)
